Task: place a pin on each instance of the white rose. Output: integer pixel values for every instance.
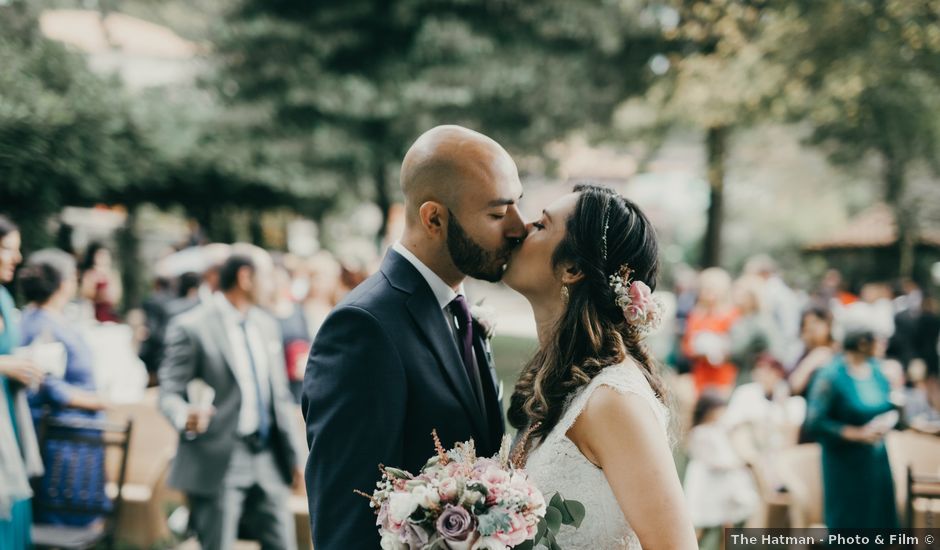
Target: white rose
(390, 541)
(401, 506)
(448, 488)
(488, 543)
(425, 496)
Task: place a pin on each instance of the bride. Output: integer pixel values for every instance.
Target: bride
(590, 402)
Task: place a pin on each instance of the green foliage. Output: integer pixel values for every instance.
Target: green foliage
(871, 72)
(347, 86)
(558, 512)
(65, 134)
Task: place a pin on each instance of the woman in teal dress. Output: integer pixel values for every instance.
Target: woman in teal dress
(858, 489)
(19, 454)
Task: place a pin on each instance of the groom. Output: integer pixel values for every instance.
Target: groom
(400, 356)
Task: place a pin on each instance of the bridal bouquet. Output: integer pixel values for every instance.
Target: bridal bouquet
(461, 501)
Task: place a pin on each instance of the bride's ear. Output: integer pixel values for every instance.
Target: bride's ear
(571, 274)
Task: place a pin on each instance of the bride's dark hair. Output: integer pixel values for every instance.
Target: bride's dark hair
(592, 332)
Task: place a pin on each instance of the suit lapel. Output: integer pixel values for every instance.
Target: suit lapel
(430, 319)
(490, 383)
(220, 334)
(432, 322)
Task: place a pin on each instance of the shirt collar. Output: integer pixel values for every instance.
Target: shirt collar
(442, 291)
(229, 311)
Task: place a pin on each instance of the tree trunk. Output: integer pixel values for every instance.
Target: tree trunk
(895, 172)
(716, 144)
(256, 229)
(382, 197)
(132, 272)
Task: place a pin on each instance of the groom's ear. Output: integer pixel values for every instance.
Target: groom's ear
(571, 274)
(432, 216)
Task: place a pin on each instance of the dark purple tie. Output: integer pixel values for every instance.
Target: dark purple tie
(458, 306)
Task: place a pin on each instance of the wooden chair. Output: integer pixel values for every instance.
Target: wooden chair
(142, 521)
(915, 465)
(298, 500)
(87, 441)
(800, 470)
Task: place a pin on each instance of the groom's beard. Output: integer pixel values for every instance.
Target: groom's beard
(472, 259)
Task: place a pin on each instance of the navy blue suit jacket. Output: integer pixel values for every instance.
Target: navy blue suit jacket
(383, 372)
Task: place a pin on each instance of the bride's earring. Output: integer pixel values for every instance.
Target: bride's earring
(564, 293)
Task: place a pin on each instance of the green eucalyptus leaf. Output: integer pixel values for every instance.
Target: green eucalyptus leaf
(576, 511)
(553, 519)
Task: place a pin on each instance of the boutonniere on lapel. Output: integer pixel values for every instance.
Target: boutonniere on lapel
(485, 317)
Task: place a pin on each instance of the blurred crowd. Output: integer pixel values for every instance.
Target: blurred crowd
(761, 366)
(769, 367)
(69, 354)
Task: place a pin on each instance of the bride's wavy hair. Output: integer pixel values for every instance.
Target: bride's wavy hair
(592, 333)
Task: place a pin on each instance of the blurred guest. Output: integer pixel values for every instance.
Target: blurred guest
(919, 412)
(215, 255)
(187, 295)
(48, 283)
(719, 487)
(917, 330)
(874, 310)
(686, 291)
(237, 453)
(154, 307)
(817, 348)
(763, 411)
(781, 303)
(296, 340)
(832, 293)
(101, 283)
(357, 261)
(708, 333)
(19, 453)
(850, 413)
(750, 334)
(324, 280)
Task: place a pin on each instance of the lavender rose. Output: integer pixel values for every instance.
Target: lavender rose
(455, 523)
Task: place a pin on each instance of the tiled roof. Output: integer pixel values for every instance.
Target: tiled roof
(873, 228)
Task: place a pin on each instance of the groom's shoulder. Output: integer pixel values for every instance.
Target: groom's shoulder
(375, 295)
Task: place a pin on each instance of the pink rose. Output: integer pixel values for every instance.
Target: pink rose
(448, 489)
(640, 295)
(494, 477)
(517, 534)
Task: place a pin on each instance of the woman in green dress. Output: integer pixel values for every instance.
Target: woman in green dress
(19, 454)
(858, 489)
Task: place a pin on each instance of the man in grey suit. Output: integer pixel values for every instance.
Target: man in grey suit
(236, 459)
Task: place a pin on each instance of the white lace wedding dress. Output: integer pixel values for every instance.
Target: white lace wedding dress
(557, 466)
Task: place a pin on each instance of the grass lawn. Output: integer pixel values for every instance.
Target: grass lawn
(510, 354)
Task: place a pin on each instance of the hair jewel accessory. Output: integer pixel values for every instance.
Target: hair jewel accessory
(604, 234)
(640, 308)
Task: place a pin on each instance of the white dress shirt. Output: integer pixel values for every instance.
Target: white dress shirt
(445, 295)
(248, 421)
(442, 291)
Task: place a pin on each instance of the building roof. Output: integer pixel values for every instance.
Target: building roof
(875, 227)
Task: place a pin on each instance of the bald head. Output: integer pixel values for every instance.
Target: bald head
(448, 160)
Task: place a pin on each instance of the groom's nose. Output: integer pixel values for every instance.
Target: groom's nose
(516, 228)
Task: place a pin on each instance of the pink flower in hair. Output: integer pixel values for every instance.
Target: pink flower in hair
(641, 296)
(640, 308)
